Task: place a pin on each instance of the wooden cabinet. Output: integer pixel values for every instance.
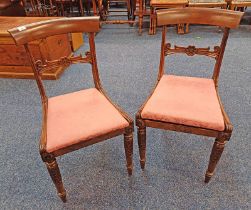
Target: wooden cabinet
(14, 62)
(77, 41)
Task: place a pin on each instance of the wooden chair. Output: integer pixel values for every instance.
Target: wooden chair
(189, 104)
(77, 119)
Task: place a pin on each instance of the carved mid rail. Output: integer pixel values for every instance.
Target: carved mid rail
(192, 50)
(64, 61)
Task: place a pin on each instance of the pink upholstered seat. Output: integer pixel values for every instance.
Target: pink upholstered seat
(79, 116)
(185, 100)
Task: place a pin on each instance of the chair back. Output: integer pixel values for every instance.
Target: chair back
(205, 16)
(25, 34)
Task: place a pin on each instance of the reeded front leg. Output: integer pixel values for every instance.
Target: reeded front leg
(128, 144)
(142, 142)
(216, 153)
(54, 172)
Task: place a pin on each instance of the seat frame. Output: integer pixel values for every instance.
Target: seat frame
(218, 17)
(39, 31)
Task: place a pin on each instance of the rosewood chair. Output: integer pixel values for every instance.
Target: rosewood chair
(189, 104)
(78, 119)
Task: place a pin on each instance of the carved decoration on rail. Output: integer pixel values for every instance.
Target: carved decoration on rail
(192, 50)
(64, 61)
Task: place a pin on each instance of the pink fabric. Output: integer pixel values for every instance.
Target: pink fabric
(79, 116)
(185, 100)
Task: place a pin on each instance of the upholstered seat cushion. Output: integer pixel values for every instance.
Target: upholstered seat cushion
(79, 116)
(185, 100)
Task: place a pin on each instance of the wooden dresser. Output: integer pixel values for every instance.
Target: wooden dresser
(14, 62)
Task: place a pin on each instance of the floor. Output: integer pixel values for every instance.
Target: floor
(96, 177)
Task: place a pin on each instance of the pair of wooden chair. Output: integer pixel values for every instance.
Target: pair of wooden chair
(178, 103)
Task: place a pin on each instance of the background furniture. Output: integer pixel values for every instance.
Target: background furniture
(11, 8)
(76, 40)
(112, 11)
(139, 8)
(165, 4)
(14, 62)
(40, 8)
(208, 3)
(234, 4)
(189, 104)
(67, 6)
(77, 119)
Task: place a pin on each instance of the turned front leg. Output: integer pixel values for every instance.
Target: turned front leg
(215, 156)
(55, 175)
(142, 142)
(128, 144)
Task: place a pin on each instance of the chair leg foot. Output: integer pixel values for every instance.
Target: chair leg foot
(142, 144)
(55, 175)
(128, 144)
(216, 153)
(62, 197)
(142, 164)
(207, 177)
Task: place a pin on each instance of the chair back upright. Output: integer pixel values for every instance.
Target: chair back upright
(204, 16)
(25, 34)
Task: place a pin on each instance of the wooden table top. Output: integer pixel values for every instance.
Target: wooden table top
(7, 23)
(169, 2)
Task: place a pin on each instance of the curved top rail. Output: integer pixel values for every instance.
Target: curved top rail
(39, 30)
(205, 16)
